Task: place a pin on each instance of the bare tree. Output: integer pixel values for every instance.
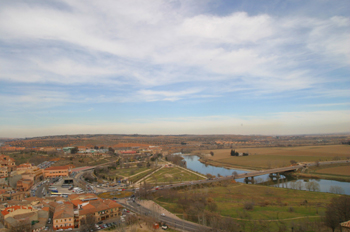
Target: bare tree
(23, 226)
(336, 190)
(87, 224)
(337, 211)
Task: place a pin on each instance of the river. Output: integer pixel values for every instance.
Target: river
(194, 164)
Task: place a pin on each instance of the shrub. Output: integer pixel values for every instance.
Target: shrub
(249, 205)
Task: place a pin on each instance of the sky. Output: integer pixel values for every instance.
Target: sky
(274, 67)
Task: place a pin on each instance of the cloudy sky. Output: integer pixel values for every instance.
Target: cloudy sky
(174, 67)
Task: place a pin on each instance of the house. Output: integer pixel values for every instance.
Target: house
(63, 216)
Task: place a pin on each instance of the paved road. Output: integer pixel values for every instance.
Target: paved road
(174, 223)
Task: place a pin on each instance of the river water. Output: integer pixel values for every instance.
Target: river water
(325, 185)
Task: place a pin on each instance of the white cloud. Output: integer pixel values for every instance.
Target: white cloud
(146, 42)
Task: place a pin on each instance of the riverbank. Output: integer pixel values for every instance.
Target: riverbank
(224, 165)
(321, 176)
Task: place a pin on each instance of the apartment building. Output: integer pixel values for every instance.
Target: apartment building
(3, 172)
(58, 171)
(24, 166)
(90, 204)
(34, 173)
(6, 161)
(24, 185)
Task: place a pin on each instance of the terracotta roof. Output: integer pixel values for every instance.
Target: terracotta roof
(76, 202)
(63, 211)
(14, 208)
(98, 205)
(345, 224)
(34, 199)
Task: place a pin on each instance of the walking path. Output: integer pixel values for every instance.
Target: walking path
(193, 172)
(137, 173)
(139, 181)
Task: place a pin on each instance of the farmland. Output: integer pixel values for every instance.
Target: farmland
(343, 170)
(271, 157)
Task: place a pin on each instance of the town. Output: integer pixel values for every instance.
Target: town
(107, 187)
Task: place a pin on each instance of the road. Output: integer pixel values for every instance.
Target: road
(174, 223)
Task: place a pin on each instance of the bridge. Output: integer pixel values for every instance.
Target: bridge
(272, 171)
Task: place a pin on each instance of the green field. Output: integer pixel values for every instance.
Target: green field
(126, 172)
(115, 194)
(172, 175)
(272, 206)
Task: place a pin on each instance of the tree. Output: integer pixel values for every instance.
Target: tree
(22, 226)
(111, 150)
(312, 186)
(336, 190)
(74, 150)
(87, 224)
(212, 153)
(234, 153)
(337, 211)
(293, 162)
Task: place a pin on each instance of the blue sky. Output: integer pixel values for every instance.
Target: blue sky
(174, 67)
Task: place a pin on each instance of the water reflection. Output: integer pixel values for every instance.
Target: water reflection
(283, 182)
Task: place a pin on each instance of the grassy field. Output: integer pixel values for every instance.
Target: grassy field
(272, 206)
(263, 158)
(172, 175)
(115, 194)
(141, 175)
(270, 203)
(126, 172)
